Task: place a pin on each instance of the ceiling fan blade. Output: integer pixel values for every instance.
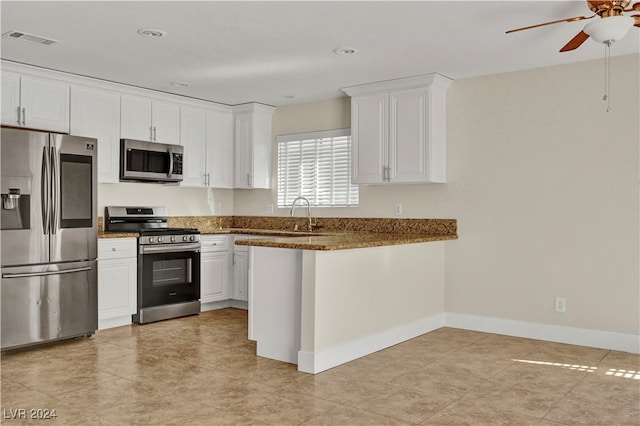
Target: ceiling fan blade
(575, 42)
(576, 18)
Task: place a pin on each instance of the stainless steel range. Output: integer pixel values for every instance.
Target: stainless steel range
(168, 262)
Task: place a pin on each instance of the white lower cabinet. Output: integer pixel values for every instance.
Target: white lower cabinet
(215, 266)
(240, 273)
(117, 281)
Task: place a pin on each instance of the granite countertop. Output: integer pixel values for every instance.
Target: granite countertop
(331, 234)
(336, 241)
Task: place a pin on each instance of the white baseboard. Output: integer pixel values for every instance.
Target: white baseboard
(310, 362)
(552, 333)
(114, 322)
(229, 303)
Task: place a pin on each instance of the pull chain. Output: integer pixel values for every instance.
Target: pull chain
(607, 74)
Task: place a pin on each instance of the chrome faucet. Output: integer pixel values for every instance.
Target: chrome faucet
(293, 211)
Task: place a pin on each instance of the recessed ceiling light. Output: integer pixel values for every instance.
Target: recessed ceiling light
(290, 96)
(151, 32)
(180, 84)
(344, 51)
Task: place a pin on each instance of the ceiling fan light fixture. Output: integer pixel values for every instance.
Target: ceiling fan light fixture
(610, 29)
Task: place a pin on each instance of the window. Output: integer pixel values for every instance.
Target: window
(316, 166)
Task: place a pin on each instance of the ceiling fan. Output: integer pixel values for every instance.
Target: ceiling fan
(611, 26)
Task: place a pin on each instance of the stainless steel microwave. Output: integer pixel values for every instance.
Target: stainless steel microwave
(150, 161)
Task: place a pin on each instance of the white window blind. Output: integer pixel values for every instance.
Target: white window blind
(316, 166)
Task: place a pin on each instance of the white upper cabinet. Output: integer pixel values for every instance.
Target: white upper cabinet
(193, 137)
(35, 103)
(220, 148)
(207, 137)
(398, 130)
(253, 146)
(150, 120)
(95, 113)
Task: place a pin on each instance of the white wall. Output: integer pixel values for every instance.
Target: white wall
(179, 201)
(544, 184)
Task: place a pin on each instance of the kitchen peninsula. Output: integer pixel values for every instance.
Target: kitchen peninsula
(319, 301)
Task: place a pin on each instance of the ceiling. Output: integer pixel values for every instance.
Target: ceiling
(281, 53)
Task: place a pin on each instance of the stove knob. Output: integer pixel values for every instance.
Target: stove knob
(192, 238)
(185, 238)
(159, 239)
(151, 240)
(172, 239)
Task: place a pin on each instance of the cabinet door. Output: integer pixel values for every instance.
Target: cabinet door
(408, 141)
(240, 274)
(166, 122)
(261, 149)
(95, 113)
(220, 149)
(45, 104)
(135, 116)
(10, 99)
(243, 154)
(369, 137)
(117, 281)
(193, 136)
(214, 284)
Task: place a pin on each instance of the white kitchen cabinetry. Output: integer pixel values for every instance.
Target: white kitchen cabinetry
(95, 113)
(193, 137)
(253, 146)
(35, 103)
(398, 130)
(241, 273)
(117, 281)
(215, 263)
(220, 146)
(207, 136)
(150, 120)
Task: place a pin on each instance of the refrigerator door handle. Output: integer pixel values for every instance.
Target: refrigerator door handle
(44, 193)
(55, 190)
(43, 274)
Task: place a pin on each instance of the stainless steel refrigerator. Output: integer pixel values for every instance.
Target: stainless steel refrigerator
(48, 237)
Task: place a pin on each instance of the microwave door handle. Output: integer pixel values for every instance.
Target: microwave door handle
(45, 183)
(170, 174)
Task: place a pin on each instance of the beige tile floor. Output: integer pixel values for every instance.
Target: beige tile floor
(202, 370)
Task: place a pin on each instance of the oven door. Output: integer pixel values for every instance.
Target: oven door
(168, 274)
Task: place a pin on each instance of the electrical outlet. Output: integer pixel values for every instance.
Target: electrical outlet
(269, 209)
(561, 304)
(398, 209)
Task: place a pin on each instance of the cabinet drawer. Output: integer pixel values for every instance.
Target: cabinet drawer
(214, 243)
(116, 248)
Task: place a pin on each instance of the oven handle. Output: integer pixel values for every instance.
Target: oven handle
(169, 248)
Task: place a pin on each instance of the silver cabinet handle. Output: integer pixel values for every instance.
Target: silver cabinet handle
(24, 123)
(43, 274)
(151, 133)
(18, 115)
(154, 133)
(248, 179)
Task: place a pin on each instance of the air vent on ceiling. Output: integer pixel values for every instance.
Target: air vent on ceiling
(30, 37)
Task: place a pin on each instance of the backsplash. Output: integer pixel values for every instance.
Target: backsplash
(208, 224)
(326, 224)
